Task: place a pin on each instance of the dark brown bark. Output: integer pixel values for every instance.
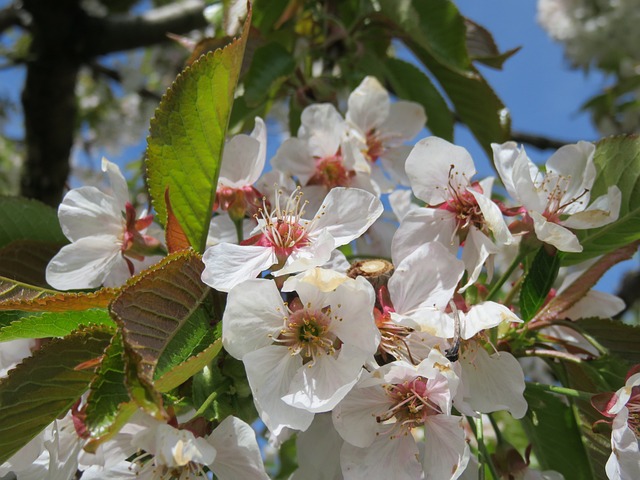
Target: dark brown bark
(63, 38)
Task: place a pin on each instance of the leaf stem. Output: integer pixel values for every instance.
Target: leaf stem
(505, 276)
(206, 404)
(484, 458)
(239, 232)
(567, 392)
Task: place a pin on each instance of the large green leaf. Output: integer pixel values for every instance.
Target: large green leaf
(555, 435)
(25, 219)
(410, 83)
(14, 293)
(45, 386)
(618, 162)
(620, 339)
(435, 25)
(166, 315)
(538, 283)
(108, 390)
(54, 324)
(187, 136)
(26, 261)
(271, 65)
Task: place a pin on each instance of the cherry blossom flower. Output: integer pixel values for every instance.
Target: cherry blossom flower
(108, 243)
(383, 127)
(623, 407)
(242, 164)
(458, 210)
(287, 243)
(302, 357)
(558, 200)
(378, 418)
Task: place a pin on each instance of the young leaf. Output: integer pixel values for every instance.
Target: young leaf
(176, 239)
(17, 296)
(108, 390)
(165, 314)
(25, 219)
(618, 162)
(45, 386)
(187, 136)
(409, 83)
(538, 282)
(554, 433)
(55, 324)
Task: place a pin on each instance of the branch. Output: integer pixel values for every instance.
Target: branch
(539, 141)
(126, 32)
(11, 17)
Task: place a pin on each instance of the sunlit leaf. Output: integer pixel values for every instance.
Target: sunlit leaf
(187, 136)
(45, 386)
(188, 369)
(54, 324)
(17, 296)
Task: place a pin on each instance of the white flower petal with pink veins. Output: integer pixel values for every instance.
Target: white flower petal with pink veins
(490, 383)
(291, 242)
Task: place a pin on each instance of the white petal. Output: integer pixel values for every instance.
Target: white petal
(318, 450)
(270, 371)
(323, 128)
(446, 452)
(238, 453)
(401, 203)
(624, 462)
(405, 121)
(241, 162)
(504, 159)
(313, 255)
(223, 230)
(346, 213)
(368, 105)
(86, 211)
(84, 263)
(623, 394)
(227, 264)
(493, 218)
(117, 181)
(395, 458)
(553, 234)
(254, 313)
(524, 173)
(429, 168)
(319, 386)
(422, 225)
(426, 279)
(293, 158)
(484, 315)
(492, 383)
(475, 253)
(603, 211)
(574, 163)
(595, 304)
(393, 162)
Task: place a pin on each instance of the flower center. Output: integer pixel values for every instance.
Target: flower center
(633, 405)
(331, 172)
(375, 147)
(394, 339)
(306, 333)
(410, 404)
(282, 227)
(555, 188)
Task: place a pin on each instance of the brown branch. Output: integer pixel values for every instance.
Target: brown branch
(539, 141)
(117, 33)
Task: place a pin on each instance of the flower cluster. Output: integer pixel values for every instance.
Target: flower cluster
(382, 368)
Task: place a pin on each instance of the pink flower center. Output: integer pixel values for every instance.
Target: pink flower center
(394, 338)
(238, 201)
(306, 332)
(282, 226)
(410, 404)
(135, 244)
(633, 405)
(462, 202)
(331, 172)
(555, 187)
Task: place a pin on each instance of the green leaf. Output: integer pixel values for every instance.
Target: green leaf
(482, 47)
(434, 25)
(618, 162)
(554, 433)
(187, 136)
(108, 391)
(181, 373)
(166, 315)
(19, 296)
(25, 219)
(271, 65)
(45, 386)
(410, 83)
(54, 324)
(620, 339)
(26, 261)
(538, 283)
(14, 293)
